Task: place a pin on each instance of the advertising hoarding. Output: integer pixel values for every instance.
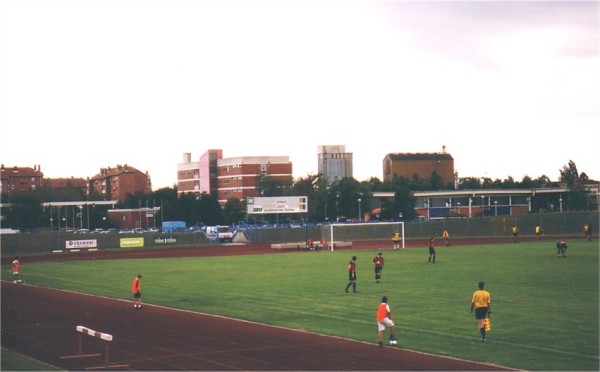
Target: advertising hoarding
(277, 204)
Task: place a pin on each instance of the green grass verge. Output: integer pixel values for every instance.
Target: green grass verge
(545, 308)
(11, 361)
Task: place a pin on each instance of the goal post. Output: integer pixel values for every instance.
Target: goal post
(342, 232)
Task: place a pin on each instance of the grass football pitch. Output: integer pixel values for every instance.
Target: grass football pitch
(545, 308)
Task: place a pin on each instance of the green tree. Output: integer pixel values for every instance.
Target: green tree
(528, 183)
(166, 199)
(314, 188)
(577, 197)
(436, 182)
(348, 192)
(403, 202)
(469, 183)
(233, 211)
(24, 211)
(269, 186)
(211, 211)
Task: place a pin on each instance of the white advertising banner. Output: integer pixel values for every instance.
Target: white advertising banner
(77, 244)
(277, 204)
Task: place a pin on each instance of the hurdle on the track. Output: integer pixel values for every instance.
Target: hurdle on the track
(105, 337)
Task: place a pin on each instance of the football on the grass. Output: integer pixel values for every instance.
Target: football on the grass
(393, 342)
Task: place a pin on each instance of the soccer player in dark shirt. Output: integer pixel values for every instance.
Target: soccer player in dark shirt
(352, 274)
(378, 263)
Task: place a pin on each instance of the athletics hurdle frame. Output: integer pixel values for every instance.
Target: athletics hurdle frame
(107, 338)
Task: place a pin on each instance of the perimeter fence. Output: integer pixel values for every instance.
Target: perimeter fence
(557, 224)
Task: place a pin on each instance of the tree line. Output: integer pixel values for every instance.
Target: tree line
(340, 200)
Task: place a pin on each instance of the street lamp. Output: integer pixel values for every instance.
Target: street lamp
(458, 204)
(560, 202)
(482, 210)
(337, 208)
(359, 210)
(80, 216)
(51, 225)
(496, 207)
(470, 203)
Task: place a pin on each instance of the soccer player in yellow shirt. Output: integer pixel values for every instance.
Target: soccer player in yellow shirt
(515, 233)
(396, 240)
(481, 302)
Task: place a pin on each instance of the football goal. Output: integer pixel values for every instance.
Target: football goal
(348, 232)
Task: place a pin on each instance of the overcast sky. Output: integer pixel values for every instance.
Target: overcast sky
(510, 88)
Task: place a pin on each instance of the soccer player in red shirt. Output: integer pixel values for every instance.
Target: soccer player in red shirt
(15, 269)
(384, 319)
(136, 289)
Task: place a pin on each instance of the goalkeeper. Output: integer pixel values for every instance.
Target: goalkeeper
(396, 240)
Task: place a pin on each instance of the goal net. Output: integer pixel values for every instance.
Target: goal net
(341, 233)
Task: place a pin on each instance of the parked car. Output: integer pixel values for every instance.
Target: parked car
(82, 231)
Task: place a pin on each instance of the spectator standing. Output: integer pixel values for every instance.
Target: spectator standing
(352, 275)
(384, 319)
(136, 289)
(378, 262)
(481, 302)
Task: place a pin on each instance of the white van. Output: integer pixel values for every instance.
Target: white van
(220, 234)
(5, 230)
